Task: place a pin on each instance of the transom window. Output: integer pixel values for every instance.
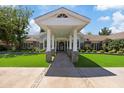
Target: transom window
(62, 16)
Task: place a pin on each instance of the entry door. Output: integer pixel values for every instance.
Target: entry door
(61, 46)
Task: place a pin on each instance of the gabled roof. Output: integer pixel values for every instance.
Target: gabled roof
(95, 38)
(31, 39)
(98, 38)
(84, 18)
(116, 36)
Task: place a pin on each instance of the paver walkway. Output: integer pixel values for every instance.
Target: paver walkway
(62, 66)
(62, 73)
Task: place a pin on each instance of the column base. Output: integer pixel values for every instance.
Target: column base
(69, 52)
(53, 52)
(49, 56)
(74, 56)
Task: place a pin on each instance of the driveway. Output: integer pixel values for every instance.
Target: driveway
(63, 74)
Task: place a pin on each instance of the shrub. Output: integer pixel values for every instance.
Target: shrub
(119, 52)
(2, 48)
(94, 51)
(112, 51)
(88, 51)
(82, 50)
(13, 48)
(121, 49)
(42, 50)
(35, 49)
(79, 50)
(101, 51)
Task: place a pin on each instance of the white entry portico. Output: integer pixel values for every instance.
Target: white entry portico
(62, 27)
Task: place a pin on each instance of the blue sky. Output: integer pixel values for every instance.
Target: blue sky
(101, 16)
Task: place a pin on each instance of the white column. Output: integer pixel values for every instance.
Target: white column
(43, 44)
(55, 46)
(75, 40)
(79, 44)
(48, 40)
(96, 46)
(70, 42)
(67, 44)
(64, 45)
(52, 41)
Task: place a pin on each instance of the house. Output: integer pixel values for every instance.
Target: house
(62, 33)
(96, 41)
(32, 41)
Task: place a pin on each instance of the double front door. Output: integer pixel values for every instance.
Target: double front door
(62, 46)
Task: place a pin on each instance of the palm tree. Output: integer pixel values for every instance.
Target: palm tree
(105, 31)
(42, 30)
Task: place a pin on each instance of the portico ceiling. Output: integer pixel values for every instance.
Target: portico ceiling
(62, 31)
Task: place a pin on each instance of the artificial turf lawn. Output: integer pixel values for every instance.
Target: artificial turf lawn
(100, 60)
(34, 60)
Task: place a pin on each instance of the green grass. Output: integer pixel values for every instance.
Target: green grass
(100, 60)
(35, 60)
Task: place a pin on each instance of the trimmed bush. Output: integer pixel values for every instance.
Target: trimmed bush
(88, 51)
(82, 51)
(35, 49)
(42, 50)
(121, 49)
(119, 52)
(100, 51)
(112, 51)
(94, 51)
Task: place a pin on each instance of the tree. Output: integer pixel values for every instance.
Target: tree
(14, 23)
(105, 45)
(116, 45)
(42, 30)
(89, 33)
(105, 31)
(6, 24)
(22, 22)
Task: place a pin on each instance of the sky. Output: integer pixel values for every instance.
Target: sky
(101, 16)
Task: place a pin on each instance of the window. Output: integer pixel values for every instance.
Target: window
(62, 16)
